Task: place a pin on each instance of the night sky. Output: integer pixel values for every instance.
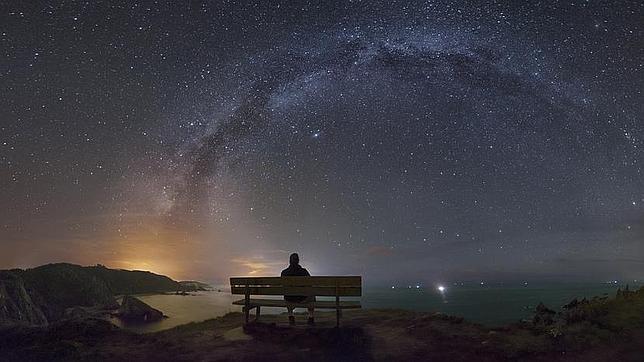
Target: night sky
(427, 142)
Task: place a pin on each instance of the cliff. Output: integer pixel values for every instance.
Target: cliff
(61, 286)
(43, 294)
(16, 303)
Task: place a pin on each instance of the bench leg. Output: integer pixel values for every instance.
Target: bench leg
(246, 313)
(257, 313)
(338, 312)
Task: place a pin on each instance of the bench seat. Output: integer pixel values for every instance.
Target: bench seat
(322, 304)
(334, 287)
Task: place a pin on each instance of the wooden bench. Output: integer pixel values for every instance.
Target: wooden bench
(319, 286)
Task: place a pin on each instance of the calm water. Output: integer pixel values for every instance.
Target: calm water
(488, 304)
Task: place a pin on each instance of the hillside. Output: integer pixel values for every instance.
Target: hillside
(41, 295)
(121, 281)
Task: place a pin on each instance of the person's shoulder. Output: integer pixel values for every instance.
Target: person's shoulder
(305, 272)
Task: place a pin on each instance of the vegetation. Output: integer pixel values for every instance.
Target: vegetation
(43, 294)
(57, 287)
(596, 329)
(134, 281)
(589, 330)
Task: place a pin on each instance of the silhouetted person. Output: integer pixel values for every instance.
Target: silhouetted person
(295, 270)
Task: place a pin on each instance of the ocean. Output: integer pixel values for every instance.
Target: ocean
(488, 304)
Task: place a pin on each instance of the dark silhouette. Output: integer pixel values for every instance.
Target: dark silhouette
(295, 270)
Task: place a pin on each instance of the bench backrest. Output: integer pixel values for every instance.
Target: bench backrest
(344, 286)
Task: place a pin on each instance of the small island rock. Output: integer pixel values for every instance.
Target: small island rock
(134, 310)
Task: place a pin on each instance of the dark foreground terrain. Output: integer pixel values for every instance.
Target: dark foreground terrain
(49, 293)
(603, 329)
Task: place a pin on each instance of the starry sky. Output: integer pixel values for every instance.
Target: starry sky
(424, 141)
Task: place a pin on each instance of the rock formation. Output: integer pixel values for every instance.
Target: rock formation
(16, 303)
(53, 292)
(134, 310)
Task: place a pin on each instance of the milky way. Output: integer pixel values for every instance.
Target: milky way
(428, 142)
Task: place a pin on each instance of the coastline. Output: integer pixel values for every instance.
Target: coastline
(604, 327)
(370, 334)
(491, 306)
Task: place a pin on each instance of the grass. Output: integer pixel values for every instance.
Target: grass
(603, 329)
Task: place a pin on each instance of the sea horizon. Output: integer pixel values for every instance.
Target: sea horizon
(492, 304)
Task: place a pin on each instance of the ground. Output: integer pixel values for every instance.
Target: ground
(364, 335)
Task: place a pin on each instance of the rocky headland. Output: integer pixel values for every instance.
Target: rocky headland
(54, 292)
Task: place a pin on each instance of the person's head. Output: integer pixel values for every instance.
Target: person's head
(294, 259)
